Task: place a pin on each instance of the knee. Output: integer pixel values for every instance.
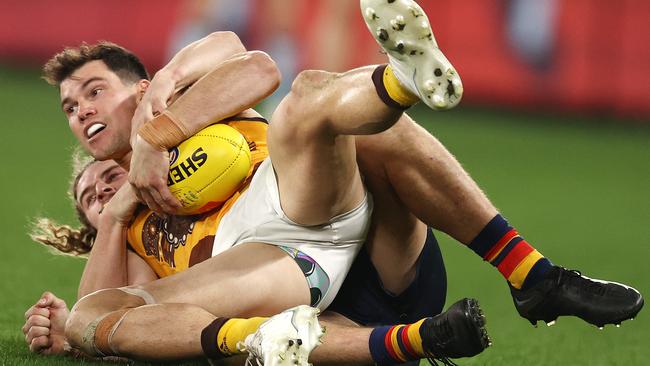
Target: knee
(311, 82)
(88, 311)
(302, 112)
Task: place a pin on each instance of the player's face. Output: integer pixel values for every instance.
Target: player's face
(99, 108)
(96, 187)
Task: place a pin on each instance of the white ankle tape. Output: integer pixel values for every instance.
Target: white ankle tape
(88, 340)
(114, 329)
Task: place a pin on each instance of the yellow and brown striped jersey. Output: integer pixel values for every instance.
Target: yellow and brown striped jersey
(176, 243)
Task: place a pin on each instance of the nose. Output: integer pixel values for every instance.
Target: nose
(104, 192)
(85, 110)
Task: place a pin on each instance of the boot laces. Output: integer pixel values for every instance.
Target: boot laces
(574, 277)
(441, 337)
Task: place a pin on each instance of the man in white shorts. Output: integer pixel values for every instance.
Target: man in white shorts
(313, 157)
(318, 188)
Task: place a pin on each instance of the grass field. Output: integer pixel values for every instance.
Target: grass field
(577, 190)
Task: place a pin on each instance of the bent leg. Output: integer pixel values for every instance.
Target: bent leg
(310, 145)
(427, 179)
(249, 279)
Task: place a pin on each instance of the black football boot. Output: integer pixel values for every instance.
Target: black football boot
(567, 292)
(458, 332)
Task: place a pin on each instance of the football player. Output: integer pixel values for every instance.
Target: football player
(530, 275)
(99, 182)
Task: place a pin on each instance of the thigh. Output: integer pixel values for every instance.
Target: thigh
(250, 279)
(428, 179)
(396, 236)
(316, 168)
(364, 300)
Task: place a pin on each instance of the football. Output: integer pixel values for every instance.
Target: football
(207, 168)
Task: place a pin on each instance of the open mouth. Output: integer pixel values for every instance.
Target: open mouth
(94, 129)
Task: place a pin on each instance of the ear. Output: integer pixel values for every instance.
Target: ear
(142, 86)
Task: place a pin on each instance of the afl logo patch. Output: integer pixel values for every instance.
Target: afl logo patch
(173, 156)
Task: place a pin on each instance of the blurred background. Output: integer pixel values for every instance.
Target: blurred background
(554, 125)
(589, 56)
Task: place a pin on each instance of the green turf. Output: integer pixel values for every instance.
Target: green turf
(578, 190)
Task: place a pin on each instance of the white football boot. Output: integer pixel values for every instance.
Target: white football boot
(402, 29)
(285, 339)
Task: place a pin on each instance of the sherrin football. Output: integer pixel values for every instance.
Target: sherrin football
(207, 168)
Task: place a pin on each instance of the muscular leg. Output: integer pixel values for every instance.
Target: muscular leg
(344, 343)
(249, 279)
(189, 301)
(396, 236)
(312, 154)
(172, 331)
(427, 179)
(414, 179)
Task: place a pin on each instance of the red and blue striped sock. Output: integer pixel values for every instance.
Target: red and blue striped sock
(502, 246)
(391, 345)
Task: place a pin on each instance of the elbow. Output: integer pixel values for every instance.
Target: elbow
(266, 68)
(227, 39)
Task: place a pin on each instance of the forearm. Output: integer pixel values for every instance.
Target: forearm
(232, 87)
(198, 58)
(107, 263)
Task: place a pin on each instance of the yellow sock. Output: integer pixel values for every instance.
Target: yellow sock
(389, 89)
(396, 91)
(234, 331)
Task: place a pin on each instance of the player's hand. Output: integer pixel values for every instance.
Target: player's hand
(122, 206)
(153, 102)
(44, 327)
(148, 174)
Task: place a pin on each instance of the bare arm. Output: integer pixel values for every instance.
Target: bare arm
(44, 327)
(139, 271)
(197, 59)
(185, 68)
(232, 87)
(108, 266)
(237, 84)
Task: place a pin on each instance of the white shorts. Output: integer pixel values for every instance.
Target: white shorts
(258, 217)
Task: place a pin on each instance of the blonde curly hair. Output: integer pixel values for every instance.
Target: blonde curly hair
(64, 239)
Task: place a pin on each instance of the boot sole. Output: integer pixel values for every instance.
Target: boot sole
(402, 29)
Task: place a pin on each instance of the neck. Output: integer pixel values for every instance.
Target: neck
(125, 161)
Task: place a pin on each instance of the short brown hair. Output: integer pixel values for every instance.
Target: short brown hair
(118, 59)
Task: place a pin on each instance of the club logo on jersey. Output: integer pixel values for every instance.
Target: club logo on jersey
(188, 167)
(162, 237)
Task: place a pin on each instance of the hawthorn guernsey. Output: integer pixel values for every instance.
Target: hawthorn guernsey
(207, 168)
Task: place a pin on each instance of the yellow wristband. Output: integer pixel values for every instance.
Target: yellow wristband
(163, 132)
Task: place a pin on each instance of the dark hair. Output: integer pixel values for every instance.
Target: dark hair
(121, 61)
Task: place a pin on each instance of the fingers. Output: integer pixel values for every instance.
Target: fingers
(158, 105)
(48, 299)
(35, 332)
(36, 321)
(58, 303)
(160, 200)
(38, 344)
(166, 200)
(37, 310)
(151, 202)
